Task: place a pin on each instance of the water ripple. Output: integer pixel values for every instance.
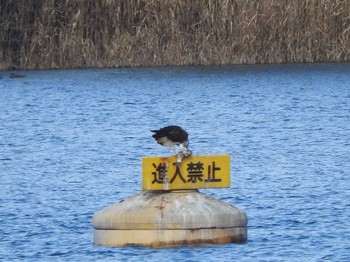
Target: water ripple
(71, 144)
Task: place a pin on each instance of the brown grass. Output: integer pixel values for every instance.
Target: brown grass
(110, 33)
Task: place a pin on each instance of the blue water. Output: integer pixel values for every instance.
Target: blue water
(71, 143)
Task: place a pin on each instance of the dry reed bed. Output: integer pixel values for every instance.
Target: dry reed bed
(65, 34)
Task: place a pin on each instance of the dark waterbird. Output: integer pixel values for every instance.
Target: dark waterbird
(171, 136)
(15, 75)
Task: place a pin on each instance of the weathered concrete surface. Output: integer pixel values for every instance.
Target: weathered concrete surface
(169, 218)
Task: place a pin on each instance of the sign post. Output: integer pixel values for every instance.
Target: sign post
(164, 173)
(169, 212)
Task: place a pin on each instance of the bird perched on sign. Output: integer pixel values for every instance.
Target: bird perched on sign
(171, 136)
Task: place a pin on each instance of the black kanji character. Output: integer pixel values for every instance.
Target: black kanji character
(211, 173)
(160, 176)
(177, 173)
(195, 171)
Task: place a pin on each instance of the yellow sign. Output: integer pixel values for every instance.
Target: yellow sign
(163, 173)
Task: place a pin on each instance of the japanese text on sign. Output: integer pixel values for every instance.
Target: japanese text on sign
(163, 173)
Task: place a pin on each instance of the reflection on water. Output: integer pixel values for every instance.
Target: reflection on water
(71, 144)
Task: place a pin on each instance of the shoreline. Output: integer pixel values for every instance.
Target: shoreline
(118, 34)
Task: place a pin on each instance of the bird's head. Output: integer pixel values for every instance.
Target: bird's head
(186, 143)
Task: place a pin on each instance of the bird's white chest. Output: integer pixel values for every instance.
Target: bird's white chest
(166, 142)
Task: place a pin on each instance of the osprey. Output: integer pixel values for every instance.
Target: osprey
(171, 136)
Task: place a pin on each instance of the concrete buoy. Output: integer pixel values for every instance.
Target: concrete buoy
(167, 218)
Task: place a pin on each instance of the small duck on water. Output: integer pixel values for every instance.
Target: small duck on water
(15, 75)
